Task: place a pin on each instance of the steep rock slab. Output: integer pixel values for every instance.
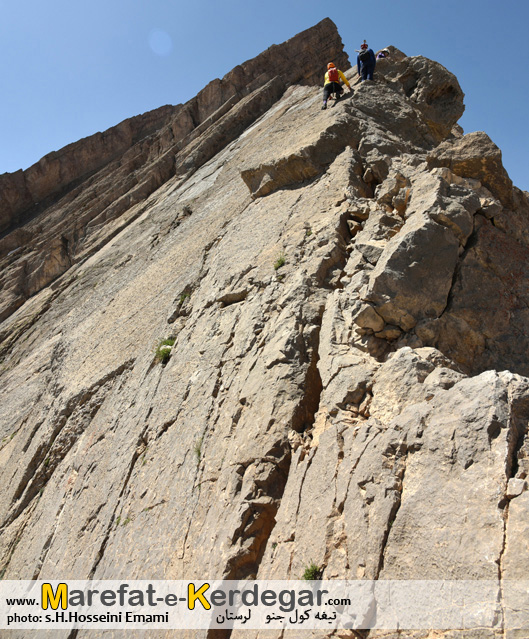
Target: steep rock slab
(292, 422)
(293, 168)
(260, 340)
(423, 496)
(485, 324)
(412, 279)
(84, 194)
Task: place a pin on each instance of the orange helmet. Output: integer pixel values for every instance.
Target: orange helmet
(331, 65)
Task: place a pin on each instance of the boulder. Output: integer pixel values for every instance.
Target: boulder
(475, 156)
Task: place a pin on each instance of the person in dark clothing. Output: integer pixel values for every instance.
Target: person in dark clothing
(366, 62)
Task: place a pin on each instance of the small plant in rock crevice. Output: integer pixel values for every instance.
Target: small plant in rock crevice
(312, 572)
(198, 450)
(281, 261)
(162, 353)
(185, 295)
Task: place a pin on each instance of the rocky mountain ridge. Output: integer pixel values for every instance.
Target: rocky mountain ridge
(73, 196)
(346, 296)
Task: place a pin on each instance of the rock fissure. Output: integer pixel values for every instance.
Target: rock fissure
(291, 540)
(332, 543)
(49, 540)
(264, 518)
(341, 505)
(514, 465)
(391, 519)
(50, 454)
(12, 545)
(187, 532)
(140, 447)
(470, 243)
(166, 426)
(501, 594)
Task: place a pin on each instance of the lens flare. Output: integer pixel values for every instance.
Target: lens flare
(160, 42)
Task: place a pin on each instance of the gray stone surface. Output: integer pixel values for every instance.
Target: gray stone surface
(340, 305)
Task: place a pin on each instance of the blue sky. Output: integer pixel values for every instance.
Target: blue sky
(72, 68)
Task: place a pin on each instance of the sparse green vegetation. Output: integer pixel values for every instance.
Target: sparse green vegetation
(312, 572)
(162, 353)
(127, 521)
(198, 450)
(184, 295)
(118, 520)
(308, 232)
(281, 261)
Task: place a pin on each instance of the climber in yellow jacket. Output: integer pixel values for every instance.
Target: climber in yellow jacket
(332, 84)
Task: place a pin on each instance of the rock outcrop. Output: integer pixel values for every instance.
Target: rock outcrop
(344, 294)
(71, 202)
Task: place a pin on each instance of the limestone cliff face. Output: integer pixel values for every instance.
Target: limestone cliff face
(66, 206)
(346, 290)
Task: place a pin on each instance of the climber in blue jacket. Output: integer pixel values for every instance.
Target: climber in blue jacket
(366, 62)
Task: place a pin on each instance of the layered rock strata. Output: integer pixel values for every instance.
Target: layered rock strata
(65, 207)
(346, 292)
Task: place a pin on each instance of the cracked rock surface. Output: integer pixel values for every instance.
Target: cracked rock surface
(345, 293)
